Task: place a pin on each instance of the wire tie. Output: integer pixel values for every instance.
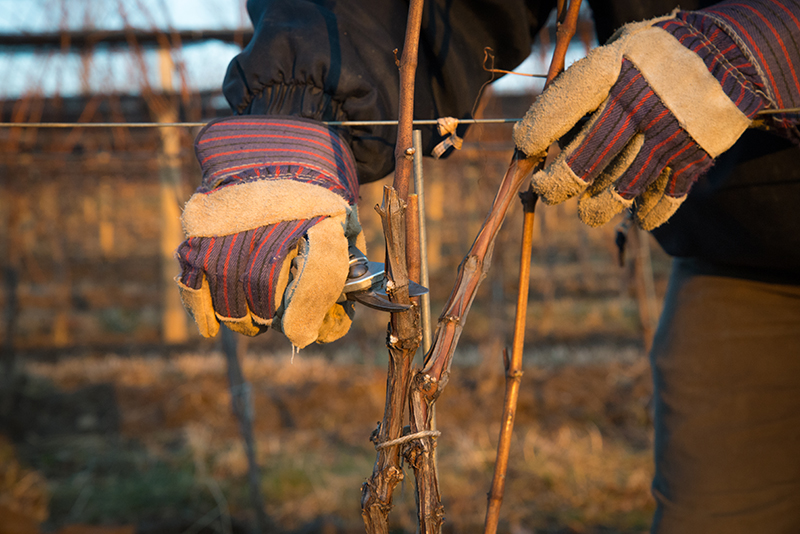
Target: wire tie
(407, 438)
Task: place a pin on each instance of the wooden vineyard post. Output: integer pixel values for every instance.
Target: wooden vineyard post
(174, 328)
(513, 367)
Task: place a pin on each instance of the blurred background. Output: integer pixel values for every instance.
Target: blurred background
(115, 415)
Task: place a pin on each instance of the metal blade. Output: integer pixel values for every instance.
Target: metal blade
(415, 289)
(366, 283)
(376, 301)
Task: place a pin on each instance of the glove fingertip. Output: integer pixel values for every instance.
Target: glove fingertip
(596, 210)
(659, 213)
(199, 305)
(336, 322)
(244, 325)
(558, 182)
(321, 273)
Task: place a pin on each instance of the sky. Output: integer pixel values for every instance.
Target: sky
(113, 69)
(116, 70)
(36, 16)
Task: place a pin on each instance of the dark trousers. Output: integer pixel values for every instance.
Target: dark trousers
(726, 368)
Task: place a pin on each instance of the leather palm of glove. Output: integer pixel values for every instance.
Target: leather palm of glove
(669, 95)
(269, 229)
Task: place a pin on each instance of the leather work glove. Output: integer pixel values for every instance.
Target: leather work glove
(269, 229)
(669, 95)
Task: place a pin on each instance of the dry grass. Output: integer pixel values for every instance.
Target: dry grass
(580, 457)
(22, 491)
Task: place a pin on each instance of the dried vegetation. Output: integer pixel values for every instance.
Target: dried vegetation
(151, 441)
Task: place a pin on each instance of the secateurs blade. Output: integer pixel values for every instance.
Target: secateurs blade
(366, 283)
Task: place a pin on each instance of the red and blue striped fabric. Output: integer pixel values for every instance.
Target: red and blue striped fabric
(753, 48)
(633, 108)
(723, 58)
(243, 149)
(242, 269)
(749, 46)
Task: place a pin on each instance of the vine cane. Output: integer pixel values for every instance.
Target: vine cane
(513, 367)
(404, 327)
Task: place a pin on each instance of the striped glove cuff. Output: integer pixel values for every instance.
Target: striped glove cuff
(243, 149)
(752, 47)
(261, 170)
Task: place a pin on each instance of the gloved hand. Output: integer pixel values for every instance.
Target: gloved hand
(671, 95)
(269, 229)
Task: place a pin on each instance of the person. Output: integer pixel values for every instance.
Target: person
(673, 98)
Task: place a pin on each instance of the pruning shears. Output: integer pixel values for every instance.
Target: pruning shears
(366, 283)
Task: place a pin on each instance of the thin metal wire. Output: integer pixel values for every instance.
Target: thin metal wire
(100, 124)
(196, 124)
(419, 122)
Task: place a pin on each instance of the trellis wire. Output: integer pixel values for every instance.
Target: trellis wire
(419, 122)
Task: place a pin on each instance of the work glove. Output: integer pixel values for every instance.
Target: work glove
(268, 231)
(669, 95)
